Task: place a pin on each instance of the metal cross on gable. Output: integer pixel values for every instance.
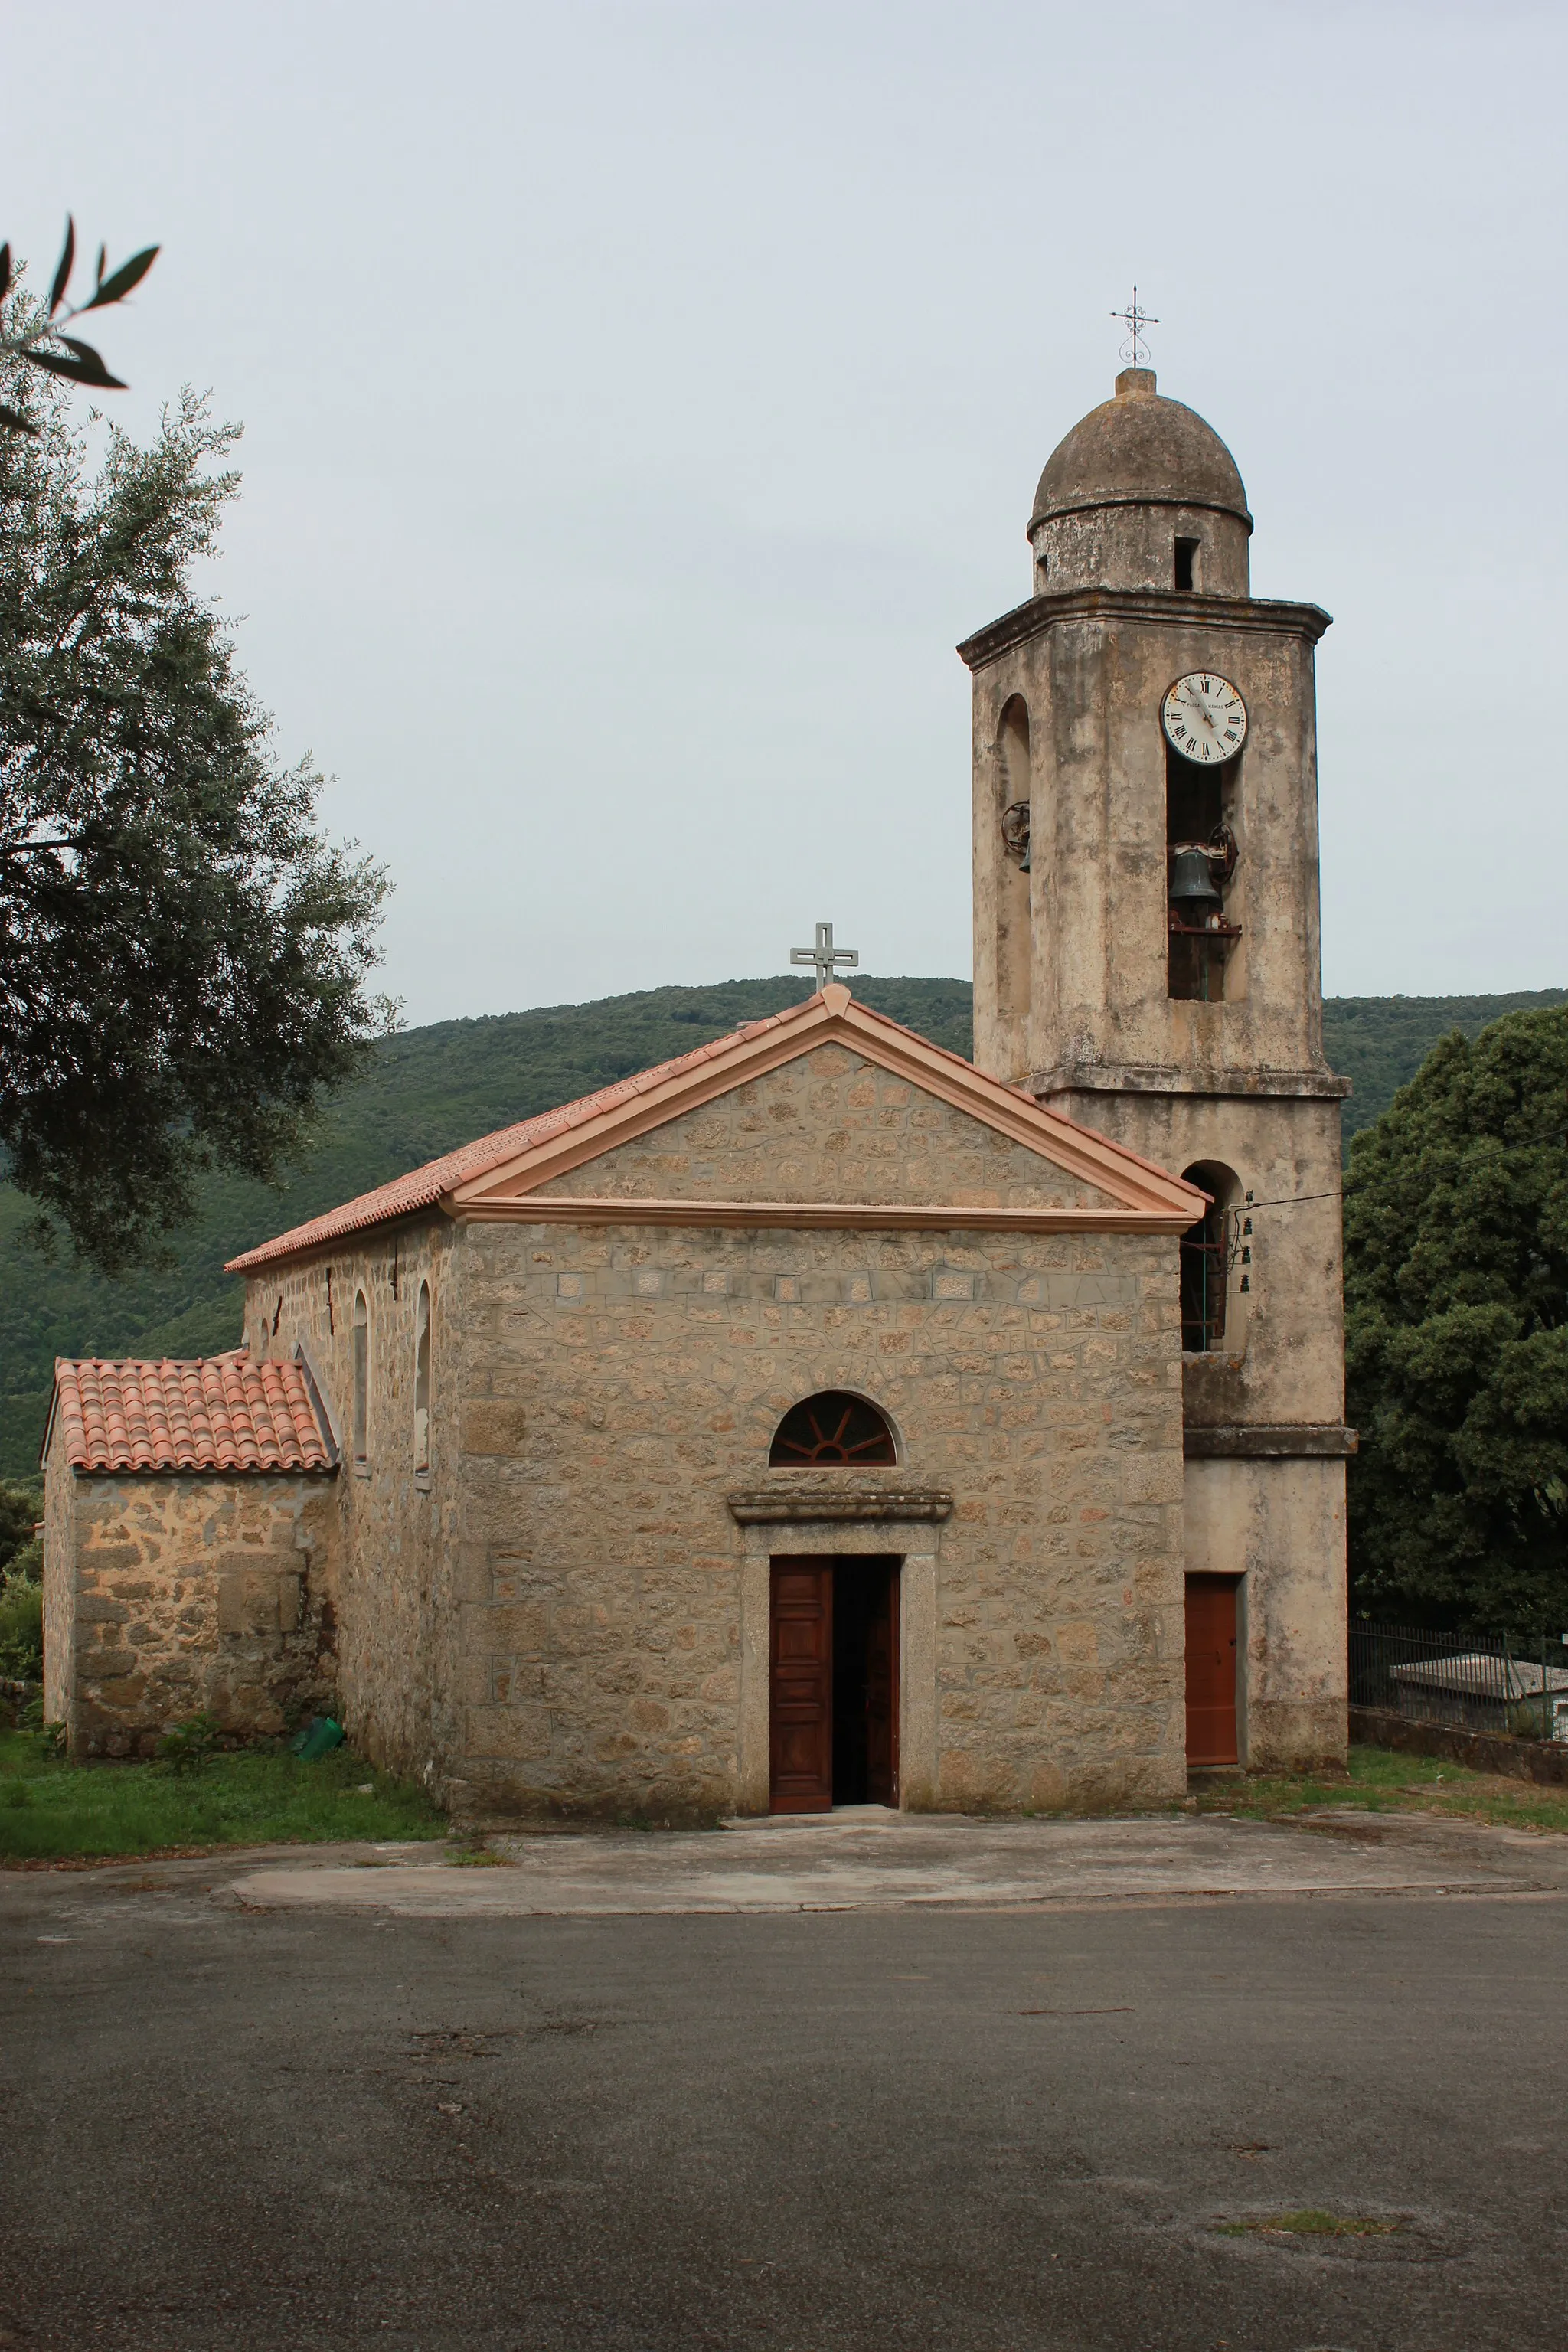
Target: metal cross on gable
(826, 956)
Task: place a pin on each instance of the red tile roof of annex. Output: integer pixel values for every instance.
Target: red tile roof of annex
(209, 1413)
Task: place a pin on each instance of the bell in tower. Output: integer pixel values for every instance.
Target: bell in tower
(1145, 727)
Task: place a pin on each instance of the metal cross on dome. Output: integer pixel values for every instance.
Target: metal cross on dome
(826, 956)
(1135, 351)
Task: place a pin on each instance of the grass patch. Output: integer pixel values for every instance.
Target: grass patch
(1387, 1781)
(51, 1809)
(1310, 2222)
(480, 1856)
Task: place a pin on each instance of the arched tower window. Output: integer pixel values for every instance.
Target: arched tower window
(831, 1430)
(1014, 792)
(422, 1379)
(1206, 1259)
(361, 1380)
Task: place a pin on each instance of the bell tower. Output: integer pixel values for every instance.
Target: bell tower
(1146, 959)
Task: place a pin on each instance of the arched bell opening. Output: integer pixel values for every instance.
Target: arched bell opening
(834, 1430)
(1208, 1253)
(1203, 934)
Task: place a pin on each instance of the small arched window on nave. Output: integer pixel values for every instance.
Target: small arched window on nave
(832, 1431)
(362, 1381)
(422, 1380)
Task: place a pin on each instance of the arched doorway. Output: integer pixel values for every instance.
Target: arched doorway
(833, 1648)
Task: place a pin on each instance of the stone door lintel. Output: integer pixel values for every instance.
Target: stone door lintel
(840, 1500)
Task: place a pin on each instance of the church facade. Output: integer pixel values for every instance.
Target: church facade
(820, 1418)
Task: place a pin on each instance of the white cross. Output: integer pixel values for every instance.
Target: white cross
(826, 956)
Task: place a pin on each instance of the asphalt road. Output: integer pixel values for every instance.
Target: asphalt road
(992, 2129)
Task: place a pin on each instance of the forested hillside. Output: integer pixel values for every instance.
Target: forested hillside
(432, 1089)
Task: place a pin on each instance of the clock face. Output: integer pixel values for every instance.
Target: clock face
(1205, 718)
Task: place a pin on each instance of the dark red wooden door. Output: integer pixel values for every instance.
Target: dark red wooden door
(882, 1691)
(1211, 1670)
(801, 1687)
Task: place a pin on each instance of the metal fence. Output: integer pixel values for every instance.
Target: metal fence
(1508, 1683)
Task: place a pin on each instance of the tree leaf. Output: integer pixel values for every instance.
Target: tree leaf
(4, 270)
(129, 273)
(86, 367)
(15, 421)
(62, 275)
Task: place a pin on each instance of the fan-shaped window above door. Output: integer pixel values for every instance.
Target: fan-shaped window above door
(831, 1430)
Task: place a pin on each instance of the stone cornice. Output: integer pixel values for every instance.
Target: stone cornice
(850, 1499)
(1265, 615)
(1090, 505)
(1154, 1078)
(861, 1216)
(1301, 1441)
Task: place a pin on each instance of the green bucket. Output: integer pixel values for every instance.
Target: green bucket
(320, 1736)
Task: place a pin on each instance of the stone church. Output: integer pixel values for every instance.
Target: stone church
(820, 1418)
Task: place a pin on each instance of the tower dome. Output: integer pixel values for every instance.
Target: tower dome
(1141, 494)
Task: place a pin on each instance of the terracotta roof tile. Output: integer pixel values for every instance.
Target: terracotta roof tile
(212, 1412)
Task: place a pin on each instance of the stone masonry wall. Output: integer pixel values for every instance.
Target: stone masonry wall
(617, 1381)
(398, 1623)
(186, 1593)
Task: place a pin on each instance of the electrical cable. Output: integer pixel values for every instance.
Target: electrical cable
(1287, 1201)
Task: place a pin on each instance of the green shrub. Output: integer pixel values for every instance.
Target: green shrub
(1457, 1334)
(21, 1628)
(186, 1747)
(21, 1508)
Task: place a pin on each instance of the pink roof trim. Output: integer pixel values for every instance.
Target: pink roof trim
(425, 1187)
(211, 1412)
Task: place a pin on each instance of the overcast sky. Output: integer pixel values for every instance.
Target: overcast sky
(641, 399)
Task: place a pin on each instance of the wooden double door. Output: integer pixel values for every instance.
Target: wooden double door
(833, 1653)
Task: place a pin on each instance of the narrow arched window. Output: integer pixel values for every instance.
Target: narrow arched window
(361, 1380)
(1015, 944)
(832, 1430)
(1206, 1259)
(422, 1379)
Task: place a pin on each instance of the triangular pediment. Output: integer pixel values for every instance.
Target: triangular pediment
(831, 1108)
